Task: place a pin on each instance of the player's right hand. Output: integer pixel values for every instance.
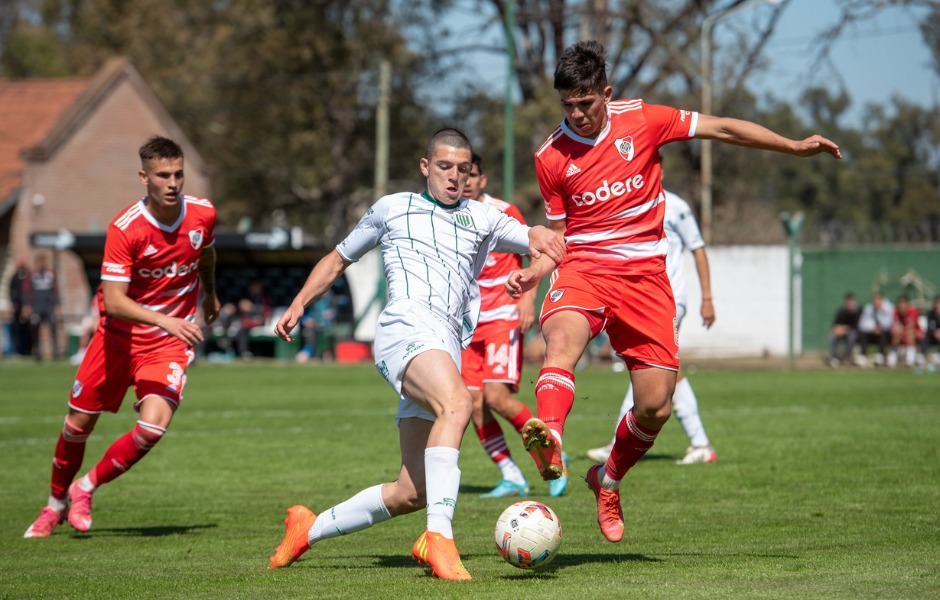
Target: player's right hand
(187, 331)
(288, 321)
(519, 282)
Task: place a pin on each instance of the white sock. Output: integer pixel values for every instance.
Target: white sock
(442, 481)
(685, 407)
(85, 484)
(56, 504)
(363, 510)
(625, 407)
(606, 482)
(510, 471)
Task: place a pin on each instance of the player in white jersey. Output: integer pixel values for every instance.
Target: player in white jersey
(682, 233)
(434, 245)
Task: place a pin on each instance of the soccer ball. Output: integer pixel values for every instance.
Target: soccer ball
(528, 535)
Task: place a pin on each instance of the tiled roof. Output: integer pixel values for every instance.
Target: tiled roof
(28, 110)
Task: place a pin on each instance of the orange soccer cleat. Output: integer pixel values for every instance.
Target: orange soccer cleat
(542, 446)
(609, 511)
(299, 521)
(440, 555)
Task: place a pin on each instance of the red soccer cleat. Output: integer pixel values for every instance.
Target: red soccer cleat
(48, 520)
(609, 511)
(542, 446)
(80, 511)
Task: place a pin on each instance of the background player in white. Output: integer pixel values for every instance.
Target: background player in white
(682, 233)
(158, 255)
(434, 245)
(492, 363)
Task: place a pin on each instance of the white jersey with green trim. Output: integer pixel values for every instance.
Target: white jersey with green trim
(682, 233)
(433, 252)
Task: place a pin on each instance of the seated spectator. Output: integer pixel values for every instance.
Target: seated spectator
(315, 329)
(232, 328)
(905, 332)
(874, 327)
(931, 337)
(844, 332)
(254, 310)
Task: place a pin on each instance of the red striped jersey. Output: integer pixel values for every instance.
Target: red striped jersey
(610, 188)
(495, 303)
(159, 262)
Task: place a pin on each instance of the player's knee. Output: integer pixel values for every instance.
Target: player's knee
(146, 435)
(459, 407)
(76, 430)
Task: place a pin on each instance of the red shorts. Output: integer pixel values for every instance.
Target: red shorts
(111, 364)
(637, 311)
(494, 356)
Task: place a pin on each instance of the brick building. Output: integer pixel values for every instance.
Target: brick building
(68, 164)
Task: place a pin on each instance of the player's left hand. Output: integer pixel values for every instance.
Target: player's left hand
(545, 241)
(526, 314)
(708, 314)
(817, 144)
(210, 308)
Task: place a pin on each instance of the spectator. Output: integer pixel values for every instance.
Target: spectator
(316, 329)
(844, 332)
(874, 327)
(42, 297)
(20, 331)
(232, 329)
(932, 336)
(254, 310)
(905, 332)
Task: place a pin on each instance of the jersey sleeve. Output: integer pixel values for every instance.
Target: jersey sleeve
(509, 235)
(552, 192)
(118, 259)
(688, 229)
(367, 233)
(668, 124)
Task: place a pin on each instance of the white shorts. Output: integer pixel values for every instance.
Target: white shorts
(405, 330)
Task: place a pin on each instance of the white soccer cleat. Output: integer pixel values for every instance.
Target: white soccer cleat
(599, 455)
(701, 455)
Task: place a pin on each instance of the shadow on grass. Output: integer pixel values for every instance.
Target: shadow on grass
(156, 531)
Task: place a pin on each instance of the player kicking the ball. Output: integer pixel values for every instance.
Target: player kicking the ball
(600, 176)
(434, 245)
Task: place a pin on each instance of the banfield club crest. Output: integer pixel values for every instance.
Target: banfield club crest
(196, 238)
(625, 147)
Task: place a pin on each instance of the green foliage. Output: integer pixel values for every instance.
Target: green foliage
(825, 488)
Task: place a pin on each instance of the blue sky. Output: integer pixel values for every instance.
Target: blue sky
(875, 59)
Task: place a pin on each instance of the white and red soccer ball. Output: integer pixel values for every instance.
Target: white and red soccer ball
(528, 535)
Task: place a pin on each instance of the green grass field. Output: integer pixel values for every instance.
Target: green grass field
(827, 486)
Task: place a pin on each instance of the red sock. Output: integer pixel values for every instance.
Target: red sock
(69, 452)
(554, 396)
(519, 420)
(125, 452)
(491, 436)
(630, 444)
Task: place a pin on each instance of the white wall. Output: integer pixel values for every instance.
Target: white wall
(750, 291)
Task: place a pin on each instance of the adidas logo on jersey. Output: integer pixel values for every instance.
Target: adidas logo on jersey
(572, 170)
(150, 250)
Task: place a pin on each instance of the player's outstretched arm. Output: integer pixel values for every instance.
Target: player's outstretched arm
(322, 276)
(752, 135)
(705, 282)
(521, 281)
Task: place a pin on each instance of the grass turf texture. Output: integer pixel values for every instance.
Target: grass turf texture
(827, 486)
